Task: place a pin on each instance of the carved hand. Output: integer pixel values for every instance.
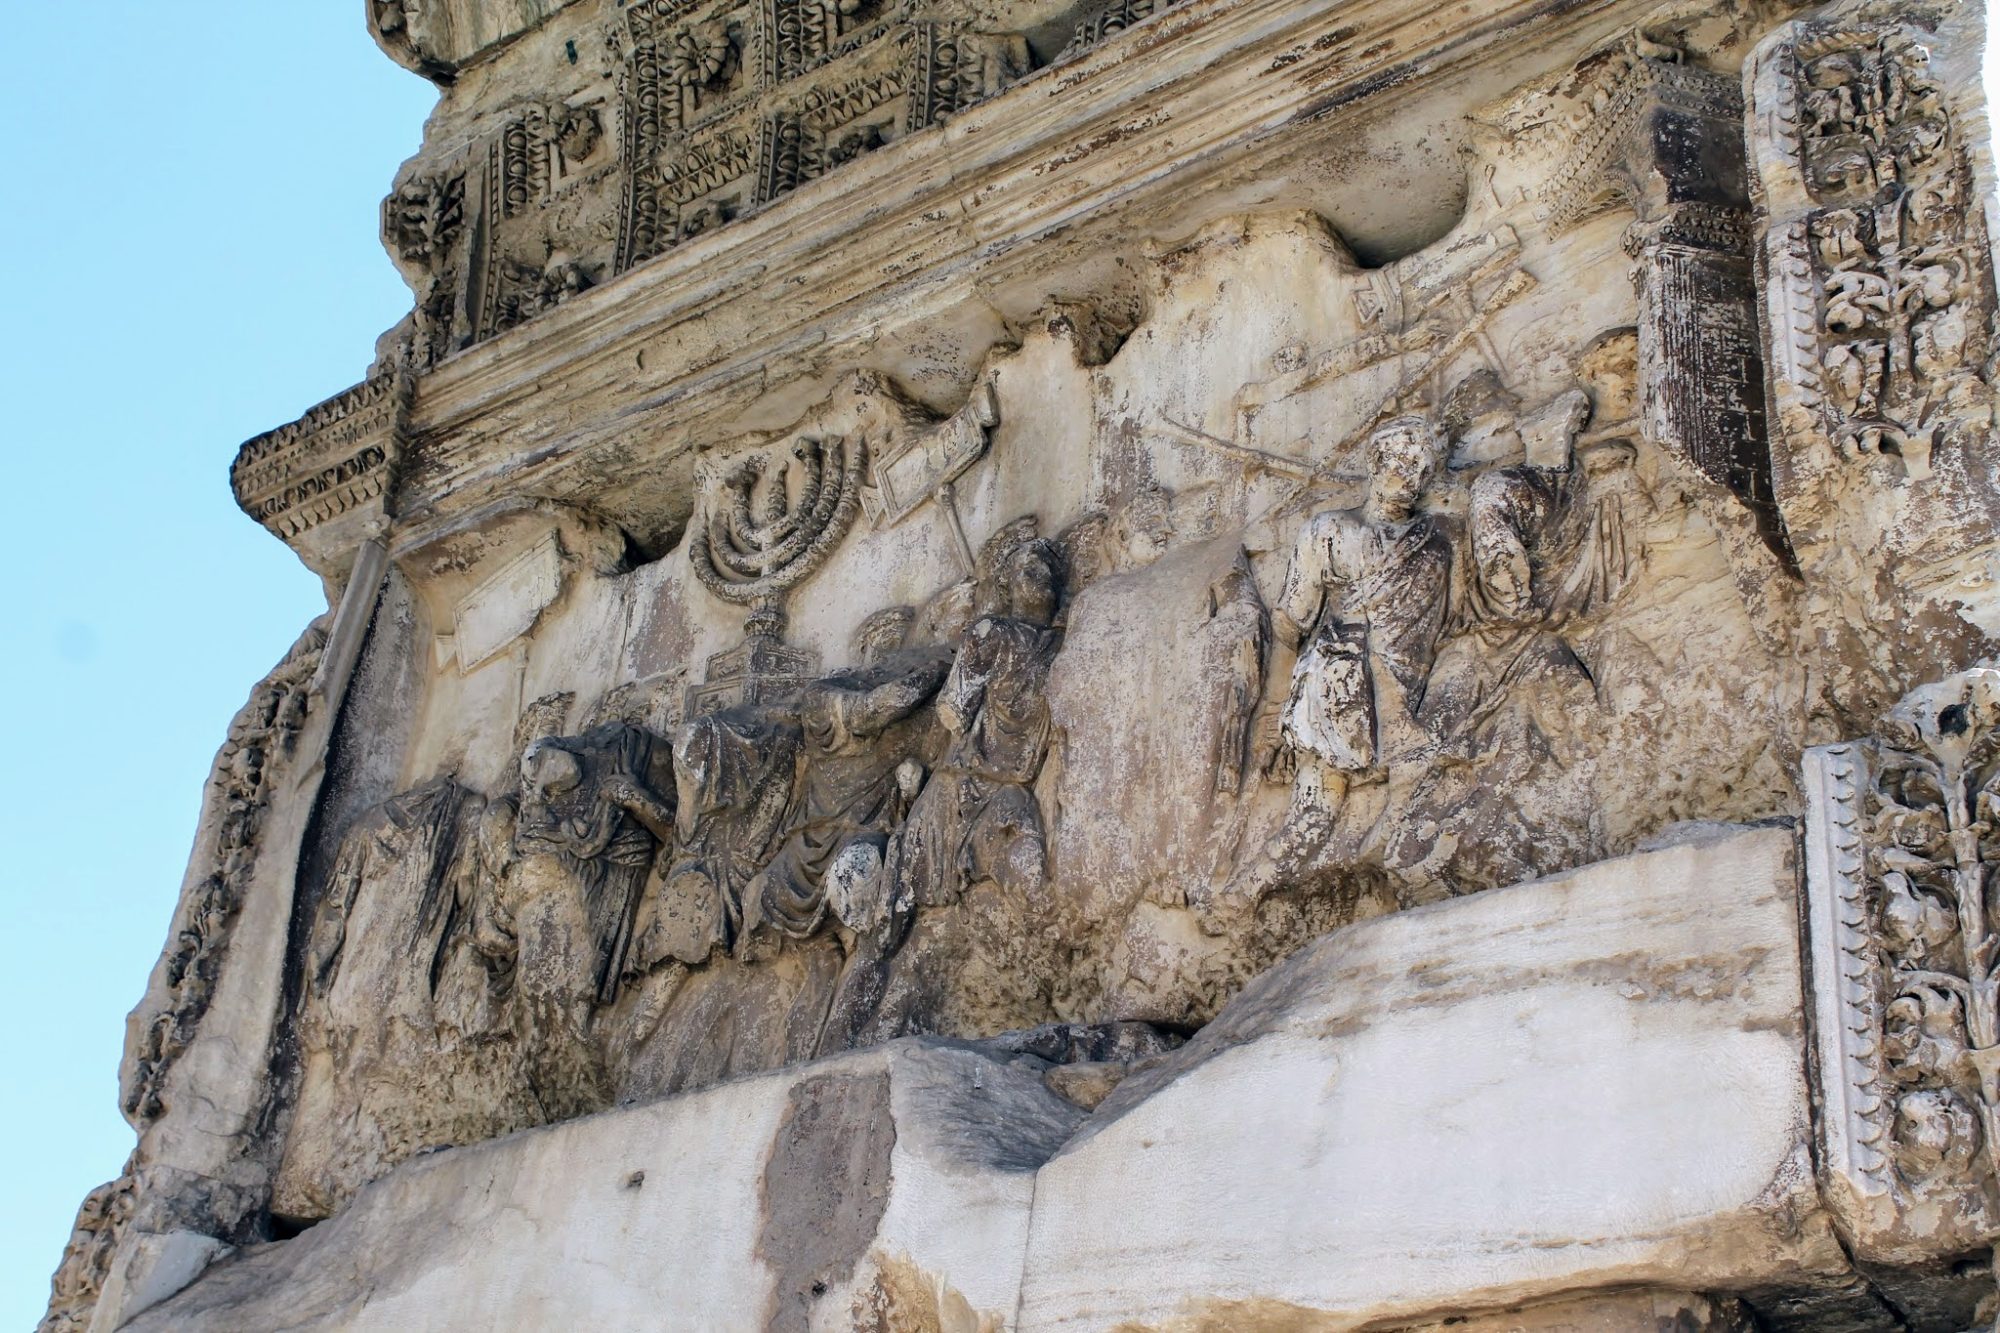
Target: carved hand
(1273, 757)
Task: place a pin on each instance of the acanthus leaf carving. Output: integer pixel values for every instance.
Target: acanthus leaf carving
(1900, 855)
(87, 1259)
(261, 740)
(1878, 306)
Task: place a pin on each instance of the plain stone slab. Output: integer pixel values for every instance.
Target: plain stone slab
(889, 1188)
(1592, 1080)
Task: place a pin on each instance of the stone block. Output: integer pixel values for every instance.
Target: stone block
(883, 1190)
(1592, 1080)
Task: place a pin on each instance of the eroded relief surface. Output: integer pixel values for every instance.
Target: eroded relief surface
(1037, 604)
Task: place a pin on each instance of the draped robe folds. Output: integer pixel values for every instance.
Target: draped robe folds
(1375, 598)
(1510, 697)
(584, 863)
(1505, 647)
(581, 864)
(858, 730)
(392, 910)
(735, 771)
(976, 818)
(398, 1022)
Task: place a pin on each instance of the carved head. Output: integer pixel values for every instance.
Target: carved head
(989, 571)
(1404, 455)
(1144, 527)
(548, 769)
(1034, 583)
(883, 633)
(1608, 369)
(1480, 416)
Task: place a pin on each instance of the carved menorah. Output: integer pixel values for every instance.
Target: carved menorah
(761, 534)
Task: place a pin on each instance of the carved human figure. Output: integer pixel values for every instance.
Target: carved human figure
(866, 744)
(1511, 700)
(1137, 534)
(1363, 604)
(976, 819)
(734, 772)
(395, 997)
(975, 822)
(591, 823)
(389, 914)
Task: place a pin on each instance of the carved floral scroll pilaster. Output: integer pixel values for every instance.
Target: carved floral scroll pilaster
(1901, 845)
(86, 1261)
(263, 735)
(1878, 295)
(1878, 272)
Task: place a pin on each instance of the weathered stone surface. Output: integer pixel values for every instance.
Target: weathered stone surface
(872, 1188)
(954, 518)
(1595, 1080)
(1627, 1312)
(1400, 1119)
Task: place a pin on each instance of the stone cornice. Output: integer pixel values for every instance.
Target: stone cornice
(1110, 145)
(318, 481)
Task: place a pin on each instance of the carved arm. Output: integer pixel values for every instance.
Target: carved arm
(873, 711)
(964, 689)
(655, 815)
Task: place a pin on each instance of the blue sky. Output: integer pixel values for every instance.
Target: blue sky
(190, 206)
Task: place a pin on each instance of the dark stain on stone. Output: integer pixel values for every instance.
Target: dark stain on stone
(826, 1186)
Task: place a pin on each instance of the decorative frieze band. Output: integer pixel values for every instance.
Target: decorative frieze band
(335, 459)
